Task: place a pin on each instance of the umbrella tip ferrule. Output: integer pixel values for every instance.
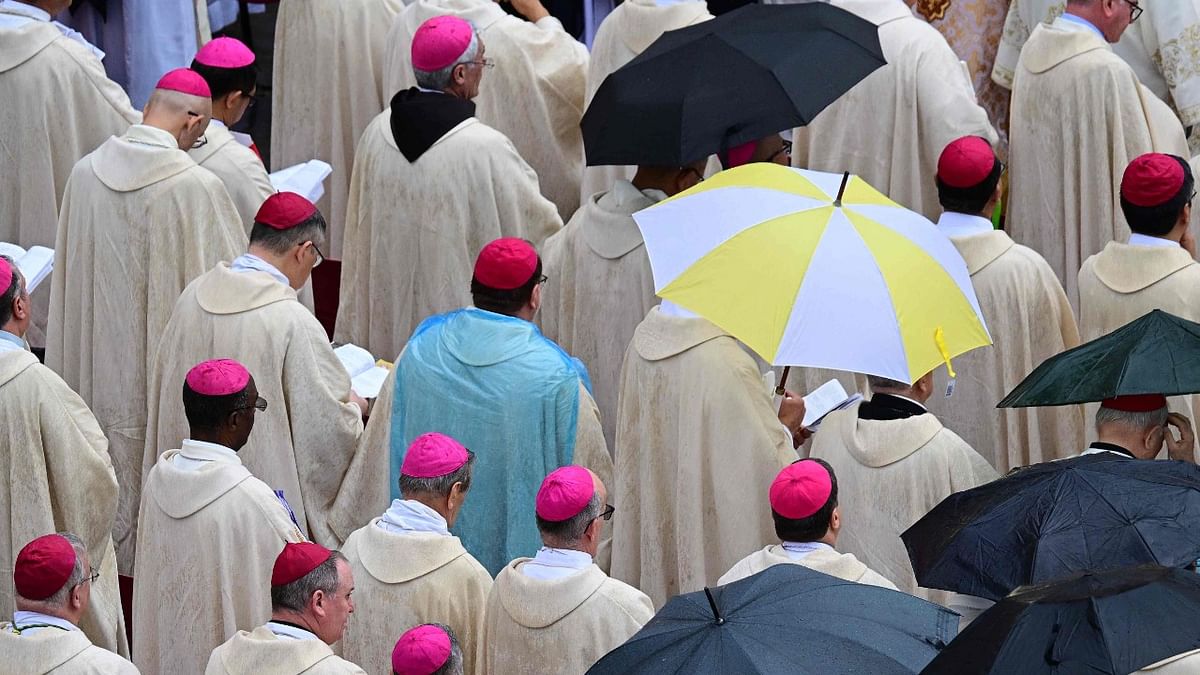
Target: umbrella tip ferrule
(842, 189)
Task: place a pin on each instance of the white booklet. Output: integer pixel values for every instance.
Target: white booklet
(366, 378)
(305, 179)
(35, 264)
(824, 400)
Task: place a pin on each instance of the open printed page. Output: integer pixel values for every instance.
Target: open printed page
(305, 179)
(366, 378)
(824, 400)
(35, 264)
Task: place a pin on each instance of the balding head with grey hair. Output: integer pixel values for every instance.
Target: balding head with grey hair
(1143, 433)
(72, 600)
(442, 79)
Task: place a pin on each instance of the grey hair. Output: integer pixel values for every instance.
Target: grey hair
(1132, 420)
(439, 80)
(296, 595)
(878, 383)
(568, 532)
(61, 596)
(411, 486)
(454, 662)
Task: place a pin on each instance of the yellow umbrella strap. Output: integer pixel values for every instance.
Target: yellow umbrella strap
(939, 337)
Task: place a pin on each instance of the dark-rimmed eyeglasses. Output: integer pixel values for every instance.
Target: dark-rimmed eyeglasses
(542, 279)
(91, 578)
(608, 511)
(1135, 10)
(260, 404)
(202, 141)
(785, 149)
(320, 256)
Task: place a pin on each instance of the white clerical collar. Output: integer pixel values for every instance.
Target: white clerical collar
(248, 262)
(963, 224)
(289, 632)
(407, 516)
(798, 549)
(1077, 23)
(195, 454)
(429, 91)
(31, 622)
(1136, 239)
(10, 342)
(556, 563)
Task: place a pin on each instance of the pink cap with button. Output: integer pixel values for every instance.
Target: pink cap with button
(218, 377)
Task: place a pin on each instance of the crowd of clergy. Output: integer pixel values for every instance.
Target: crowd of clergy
(555, 452)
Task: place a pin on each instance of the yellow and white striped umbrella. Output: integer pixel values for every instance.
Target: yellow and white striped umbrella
(767, 253)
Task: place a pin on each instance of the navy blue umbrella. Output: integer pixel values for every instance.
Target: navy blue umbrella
(1052, 520)
(786, 619)
(1103, 623)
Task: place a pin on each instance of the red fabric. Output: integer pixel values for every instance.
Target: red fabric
(1152, 180)
(225, 52)
(421, 651)
(218, 377)
(966, 162)
(284, 210)
(185, 80)
(43, 566)
(800, 490)
(439, 42)
(1137, 403)
(432, 455)
(506, 264)
(741, 154)
(565, 493)
(5, 276)
(296, 561)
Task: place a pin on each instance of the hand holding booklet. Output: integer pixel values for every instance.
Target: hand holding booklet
(35, 264)
(824, 400)
(366, 378)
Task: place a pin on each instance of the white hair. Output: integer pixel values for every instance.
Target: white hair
(439, 80)
(1131, 420)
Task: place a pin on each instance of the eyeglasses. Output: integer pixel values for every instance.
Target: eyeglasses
(543, 279)
(699, 176)
(202, 141)
(608, 511)
(320, 256)
(89, 579)
(482, 63)
(260, 404)
(1135, 10)
(786, 149)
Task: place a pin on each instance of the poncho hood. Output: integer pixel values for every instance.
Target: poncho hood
(981, 250)
(24, 43)
(660, 336)
(608, 226)
(1049, 45)
(641, 22)
(13, 363)
(877, 443)
(480, 338)
(40, 652)
(260, 651)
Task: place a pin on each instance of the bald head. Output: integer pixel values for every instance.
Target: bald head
(184, 116)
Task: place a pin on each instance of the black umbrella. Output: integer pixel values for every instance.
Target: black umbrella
(737, 78)
(786, 619)
(1156, 354)
(1096, 623)
(1055, 519)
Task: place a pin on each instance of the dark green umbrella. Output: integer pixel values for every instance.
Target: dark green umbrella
(1156, 354)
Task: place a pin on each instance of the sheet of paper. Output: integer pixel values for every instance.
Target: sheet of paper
(306, 179)
(367, 384)
(355, 359)
(35, 264)
(824, 400)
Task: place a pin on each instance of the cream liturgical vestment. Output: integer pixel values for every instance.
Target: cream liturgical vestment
(626, 32)
(240, 170)
(139, 221)
(1124, 282)
(698, 444)
(600, 287)
(261, 652)
(58, 106)
(826, 559)
(557, 626)
(209, 536)
(923, 90)
(404, 579)
(890, 474)
(414, 228)
(304, 441)
(327, 86)
(59, 479)
(1186, 663)
(1079, 116)
(1030, 321)
(534, 95)
(58, 652)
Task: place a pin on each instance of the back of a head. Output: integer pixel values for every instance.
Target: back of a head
(1155, 190)
(440, 45)
(428, 649)
(227, 66)
(803, 497)
(506, 273)
(1132, 414)
(880, 384)
(967, 175)
(294, 581)
(10, 288)
(567, 504)
(281, 240)
(432, 465)
(212, 391)
(47, 569)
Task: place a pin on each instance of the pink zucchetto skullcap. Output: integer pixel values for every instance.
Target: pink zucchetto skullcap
(186, 81)
(284, 210)
(439, 42)
(565, 493)
(506, 264)
(740, 154)
(800, 490)
(218, 377)
(43, 566)
(966, 162)
(1152, 179)
(421, 651)
(295, 561)
(5, 276)
(432, 455)
(225, 52)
